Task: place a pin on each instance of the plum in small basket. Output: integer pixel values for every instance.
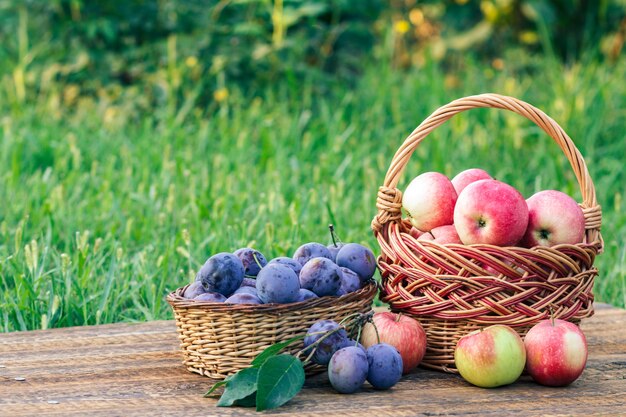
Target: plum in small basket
(277, 283)
(252, 260)
(290, 262)
(311, 250)
(350, 281)
(248, 282)
(246, 290)
(305, 294)
(359, 259)
(322, 276)
(243, 298)
(222, 273)
(212, 297)
(334, 249)
(193, 290)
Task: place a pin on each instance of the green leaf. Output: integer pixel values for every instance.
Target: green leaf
(280, 379)
(219, 384)
(273, 350)
(216, 386)
(249, 401)
(242, 385)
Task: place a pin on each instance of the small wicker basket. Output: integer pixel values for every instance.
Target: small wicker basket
(220, 339)
(454, 289)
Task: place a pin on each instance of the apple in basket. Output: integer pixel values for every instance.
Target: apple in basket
(554, 218)
(465, 178)
(556, 352)
(400, 331)
(490, 357)
(429, 200)
(442, 234)
(491, 212)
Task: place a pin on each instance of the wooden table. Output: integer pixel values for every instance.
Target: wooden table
(135, 369)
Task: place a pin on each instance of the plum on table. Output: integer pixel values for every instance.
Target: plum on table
(385, 366)
(347, 369)
(330, 342)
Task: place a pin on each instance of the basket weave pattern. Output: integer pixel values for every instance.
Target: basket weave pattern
(220, 339)
(453, 289)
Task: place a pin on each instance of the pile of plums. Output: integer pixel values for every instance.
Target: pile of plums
(349, 363)
(315, 270)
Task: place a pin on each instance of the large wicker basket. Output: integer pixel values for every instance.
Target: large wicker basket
(220, 339)
(453, 289)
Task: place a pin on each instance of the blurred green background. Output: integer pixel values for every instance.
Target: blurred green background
(139, 137)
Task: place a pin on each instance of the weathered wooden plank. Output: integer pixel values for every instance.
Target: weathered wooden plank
(135, 369)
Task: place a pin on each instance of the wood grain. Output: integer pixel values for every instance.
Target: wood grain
(136, 370)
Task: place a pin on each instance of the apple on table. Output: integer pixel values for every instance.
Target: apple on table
(490, 357)
(400, 331)
(556, 352)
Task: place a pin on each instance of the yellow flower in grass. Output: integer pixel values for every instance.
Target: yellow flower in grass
(191, 61)
(402, 27)
(220, 94)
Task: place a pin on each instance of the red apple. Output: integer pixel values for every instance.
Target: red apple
(402, 332)
(442, 234)
(556, 352)
(429, 200)
(492, 212)
(553, 218)
(464, 178)
(490, 357)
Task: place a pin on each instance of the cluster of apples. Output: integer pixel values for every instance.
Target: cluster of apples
(475, 208)
(553, 352)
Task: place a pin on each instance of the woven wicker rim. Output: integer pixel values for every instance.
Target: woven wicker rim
(389, 201)
(176, 299)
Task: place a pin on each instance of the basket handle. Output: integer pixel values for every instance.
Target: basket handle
(389, 201)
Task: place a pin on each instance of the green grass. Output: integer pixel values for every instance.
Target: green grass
(104, 212)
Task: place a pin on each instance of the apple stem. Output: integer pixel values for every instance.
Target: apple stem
(551, 315)
(398, 315)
